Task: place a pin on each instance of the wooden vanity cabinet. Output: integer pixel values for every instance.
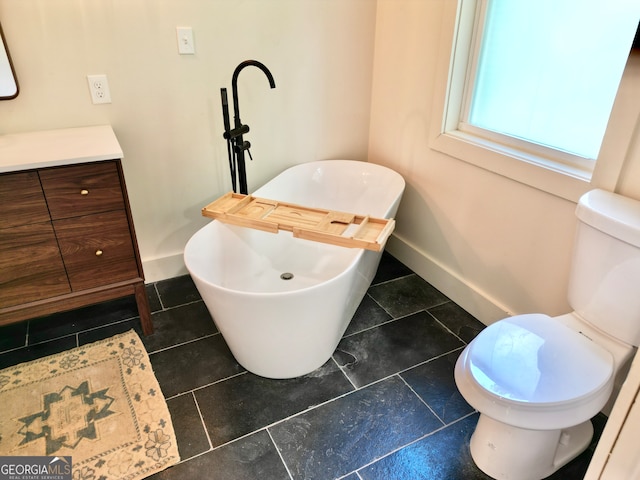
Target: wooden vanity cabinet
(31, 266)
(66, 241)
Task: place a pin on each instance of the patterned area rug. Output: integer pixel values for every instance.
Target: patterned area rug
(100, 404)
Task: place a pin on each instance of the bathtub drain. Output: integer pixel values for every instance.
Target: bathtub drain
(286, 276)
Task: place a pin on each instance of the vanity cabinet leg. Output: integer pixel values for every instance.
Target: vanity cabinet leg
(143, 308)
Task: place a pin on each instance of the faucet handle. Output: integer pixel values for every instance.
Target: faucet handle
(236, 132)
(246, 145)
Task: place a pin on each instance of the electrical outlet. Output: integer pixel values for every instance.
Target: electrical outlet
(99, 89)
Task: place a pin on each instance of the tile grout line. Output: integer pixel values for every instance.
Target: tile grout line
(173, 307)
(404, 370)
(447, 299)
(187, 342)
(421, 399)
(204, 426)
(355, 387)
(401, 317)
(210, 449)
(194, 390)
(26, 334)
(393, 279)
(273, 442)
(439, 429)
(378, 304)
(446, 327)
(155, 288)
(206, 432)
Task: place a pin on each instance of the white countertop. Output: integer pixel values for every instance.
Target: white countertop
(50, 148)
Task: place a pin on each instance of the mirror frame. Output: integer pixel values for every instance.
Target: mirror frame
(11, 70)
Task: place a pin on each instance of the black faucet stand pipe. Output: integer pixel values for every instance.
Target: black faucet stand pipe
(239, 129)
(227, 127)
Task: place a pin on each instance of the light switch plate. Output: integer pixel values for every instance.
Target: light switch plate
(185, 41)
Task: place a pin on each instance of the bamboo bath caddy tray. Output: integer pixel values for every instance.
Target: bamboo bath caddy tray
(326, 226)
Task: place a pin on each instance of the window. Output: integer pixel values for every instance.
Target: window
(535, 81)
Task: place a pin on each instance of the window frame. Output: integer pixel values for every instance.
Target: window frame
(559, 174)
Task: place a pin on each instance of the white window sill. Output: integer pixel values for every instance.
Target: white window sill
(561, 180)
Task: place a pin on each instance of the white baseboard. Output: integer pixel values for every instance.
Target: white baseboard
(161, 268)
(468, 296)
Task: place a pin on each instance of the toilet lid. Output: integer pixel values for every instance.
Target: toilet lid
(535, 359)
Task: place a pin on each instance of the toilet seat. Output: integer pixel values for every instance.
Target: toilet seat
(517, 369)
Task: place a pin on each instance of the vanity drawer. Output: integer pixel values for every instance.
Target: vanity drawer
(78, 190)
(21, 200)
(97, 249)
(30, 265)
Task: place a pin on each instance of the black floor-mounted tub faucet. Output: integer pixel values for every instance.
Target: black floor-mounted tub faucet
(236, 145)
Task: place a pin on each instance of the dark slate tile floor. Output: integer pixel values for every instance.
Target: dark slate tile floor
(384, 407)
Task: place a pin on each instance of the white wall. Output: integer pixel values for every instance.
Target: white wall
(166, 108)
(492, 244)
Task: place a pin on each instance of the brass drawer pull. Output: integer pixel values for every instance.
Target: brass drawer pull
(84, 192)
(98, 253)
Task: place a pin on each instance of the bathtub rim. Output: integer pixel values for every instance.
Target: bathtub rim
(348, 268)
(402, 183)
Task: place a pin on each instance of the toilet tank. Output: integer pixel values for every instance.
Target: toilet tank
(604, 286)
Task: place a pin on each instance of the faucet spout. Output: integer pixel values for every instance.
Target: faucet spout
(234, 84)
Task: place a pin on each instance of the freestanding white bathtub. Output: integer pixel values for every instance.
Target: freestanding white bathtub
(284, 328)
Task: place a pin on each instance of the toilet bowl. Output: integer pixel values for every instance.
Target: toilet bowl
(537, 383)
(538, 380)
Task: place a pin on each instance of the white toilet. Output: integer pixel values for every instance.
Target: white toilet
(536, 380)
